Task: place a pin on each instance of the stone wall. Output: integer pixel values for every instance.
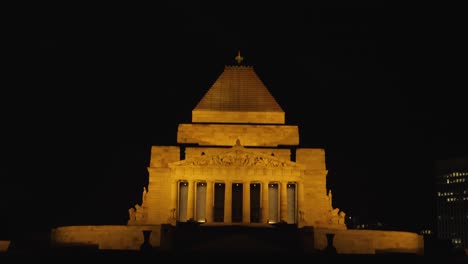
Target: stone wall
(162, 155)
(206, 164)
(105, 237)
(116, 237)
(195, 152)
(248, 135)
(311, 158)
(369, 241)
(161, 197)
(199, 116)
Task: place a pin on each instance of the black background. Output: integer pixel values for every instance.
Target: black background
(95, 86)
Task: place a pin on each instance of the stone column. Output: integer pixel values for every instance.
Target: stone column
(190, 201)
(209, 201)
(245, 202)
(265, 208)
(228, 203)
(283, 201)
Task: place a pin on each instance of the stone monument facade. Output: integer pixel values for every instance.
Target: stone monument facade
(234, 165)
(237, 164)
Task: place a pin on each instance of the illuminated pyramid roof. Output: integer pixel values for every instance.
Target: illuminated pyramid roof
(238, 96)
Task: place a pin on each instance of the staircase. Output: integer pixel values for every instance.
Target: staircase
(195, 238)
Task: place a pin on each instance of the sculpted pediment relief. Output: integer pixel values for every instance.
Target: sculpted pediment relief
(236, 157)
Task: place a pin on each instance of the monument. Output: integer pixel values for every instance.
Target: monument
(239, 164)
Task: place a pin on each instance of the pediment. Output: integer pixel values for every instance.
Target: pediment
(236, 157)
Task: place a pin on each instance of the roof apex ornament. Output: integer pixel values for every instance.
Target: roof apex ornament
(239, 58)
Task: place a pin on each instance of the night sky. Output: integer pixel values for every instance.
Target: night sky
(371, 84)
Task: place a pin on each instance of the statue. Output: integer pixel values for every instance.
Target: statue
(131, 215)
(143, 198)
(335, 211)
(139, 212)
(330, 200)
(334, 216)
(341, 219)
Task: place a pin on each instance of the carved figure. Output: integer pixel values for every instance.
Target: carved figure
(143, 198)
(131, 214)
(341, 219)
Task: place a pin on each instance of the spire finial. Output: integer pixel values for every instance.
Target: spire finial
(239, 58)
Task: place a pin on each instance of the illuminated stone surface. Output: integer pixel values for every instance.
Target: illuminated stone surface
(4, 245)
(226, 135)
(358, 241)
(236, 174)
(238, 96)
(106, 237)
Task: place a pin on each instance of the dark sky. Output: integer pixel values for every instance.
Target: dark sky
(368, 83)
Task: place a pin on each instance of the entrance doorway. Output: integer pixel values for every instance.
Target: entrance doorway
(219, 190)
(255, 202)
(237, 194)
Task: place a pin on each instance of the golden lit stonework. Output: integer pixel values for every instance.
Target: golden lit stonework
(239, 164)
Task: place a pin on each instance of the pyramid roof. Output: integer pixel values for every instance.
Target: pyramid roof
(238, 96)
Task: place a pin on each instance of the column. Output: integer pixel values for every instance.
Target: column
(245, 202)
(265, 209)
(209, 201)
(291, 189)
(283, 201)
(182, 201)
(228, 202)
(190, 202)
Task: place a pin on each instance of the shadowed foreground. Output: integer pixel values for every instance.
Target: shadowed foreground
(196, 244)
(221, 256)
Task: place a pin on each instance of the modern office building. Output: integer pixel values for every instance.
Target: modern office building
(452, 201)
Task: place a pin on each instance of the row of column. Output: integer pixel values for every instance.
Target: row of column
(236, 202)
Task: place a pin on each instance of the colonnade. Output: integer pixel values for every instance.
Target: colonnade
(231, 202)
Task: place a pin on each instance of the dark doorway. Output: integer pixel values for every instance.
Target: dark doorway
(237, 202)
(219, 190)
(255, 202)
